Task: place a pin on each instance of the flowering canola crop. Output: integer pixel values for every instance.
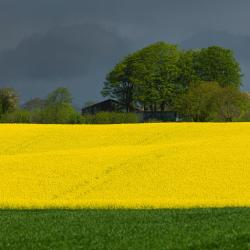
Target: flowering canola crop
(140, 165)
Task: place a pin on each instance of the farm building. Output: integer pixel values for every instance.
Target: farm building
(111, 105)
(104, 106)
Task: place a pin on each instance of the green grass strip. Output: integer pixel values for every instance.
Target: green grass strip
(218, 228)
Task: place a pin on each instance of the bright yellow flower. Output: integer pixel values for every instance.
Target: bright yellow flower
(139, 165)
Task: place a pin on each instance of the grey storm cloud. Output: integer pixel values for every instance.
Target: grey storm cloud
(74, 43)
(240, 44)
(62, 53)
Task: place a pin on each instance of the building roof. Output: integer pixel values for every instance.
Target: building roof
(103, 102)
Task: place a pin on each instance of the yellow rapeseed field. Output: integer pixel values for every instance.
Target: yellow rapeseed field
(140, 165)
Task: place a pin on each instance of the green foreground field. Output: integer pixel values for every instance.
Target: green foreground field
(227, 228)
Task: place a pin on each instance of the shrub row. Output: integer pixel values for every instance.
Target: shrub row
(110, 118)
(69, 117)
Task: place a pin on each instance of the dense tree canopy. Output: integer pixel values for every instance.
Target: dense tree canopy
(217, 64)
(147, 77)
(154, 76)
(186, 67)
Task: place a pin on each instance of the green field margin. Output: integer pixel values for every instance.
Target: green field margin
(200, 228)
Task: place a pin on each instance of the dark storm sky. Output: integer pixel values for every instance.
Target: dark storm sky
(74, 43)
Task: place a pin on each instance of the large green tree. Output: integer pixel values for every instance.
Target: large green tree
(147, 77)
(119, 83)
(155, 74)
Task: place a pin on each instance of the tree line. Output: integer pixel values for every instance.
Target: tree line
(56, 108)
(200, 85)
